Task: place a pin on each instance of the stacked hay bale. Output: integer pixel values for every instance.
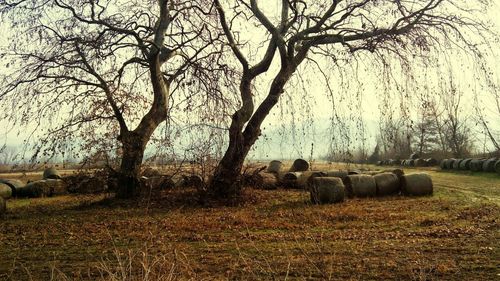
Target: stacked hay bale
(336, 174)
(274, 167)
(299, 179)
(51, 173)
(13, 184)
(87, 184)
(299, 165)
(43, 188)
(326, 190)
(6, 191)
(398, 172)
(417, 184)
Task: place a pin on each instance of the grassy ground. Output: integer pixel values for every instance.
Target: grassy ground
(453, 235)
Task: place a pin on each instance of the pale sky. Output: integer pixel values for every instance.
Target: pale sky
(317, 108)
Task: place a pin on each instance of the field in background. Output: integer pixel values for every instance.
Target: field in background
(453, 235)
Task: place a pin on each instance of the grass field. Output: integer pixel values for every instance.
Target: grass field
(275, 235)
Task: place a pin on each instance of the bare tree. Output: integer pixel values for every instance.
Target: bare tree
(333, 29)
(8, 155)
(100, 70)
(457, 131)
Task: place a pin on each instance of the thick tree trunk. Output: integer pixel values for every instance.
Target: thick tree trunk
(133, 146)
(226, 182)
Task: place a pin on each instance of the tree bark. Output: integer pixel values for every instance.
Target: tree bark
(133, 145)
(226, 181)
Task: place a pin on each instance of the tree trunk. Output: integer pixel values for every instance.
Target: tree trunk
(226, 182)
(133, 146)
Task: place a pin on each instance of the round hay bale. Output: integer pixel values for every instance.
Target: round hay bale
(387, 184)
(414, 156)
(266, 181)
(449, 163)
(360, 186)
(327, 190)
(417, 184)
(87, 184)
(306, 178)
(14, 185)
(395, 162)
(465, 164)
(34, 189)
(398, 172)
(419, 162)
(274, 166)
(3, 206)
(443, 165)
(372, 173)
(289, 180)
(489, 165)
(456, 164)
(497, 167)
(411, 162)
(5, 191)
(299, 165)
(51, 173)
(57, 187)
(431, 162)
(476, 165)
(336, 174)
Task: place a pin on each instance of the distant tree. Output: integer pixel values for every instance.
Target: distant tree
(457, 131)
(425, 135)
(96, 71)
(8, 154)
(335, 30)
(375, 156)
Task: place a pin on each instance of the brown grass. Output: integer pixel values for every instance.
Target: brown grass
(276, 235)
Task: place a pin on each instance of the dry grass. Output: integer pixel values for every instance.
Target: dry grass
(277, 235)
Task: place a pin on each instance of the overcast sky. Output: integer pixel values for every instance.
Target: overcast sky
(318, 108)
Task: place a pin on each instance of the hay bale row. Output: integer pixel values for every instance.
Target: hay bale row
(13, 184)
(418, 162)
(42, 188)
(332, 190)
(51, 173)
(326, 190)
(470, 164)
